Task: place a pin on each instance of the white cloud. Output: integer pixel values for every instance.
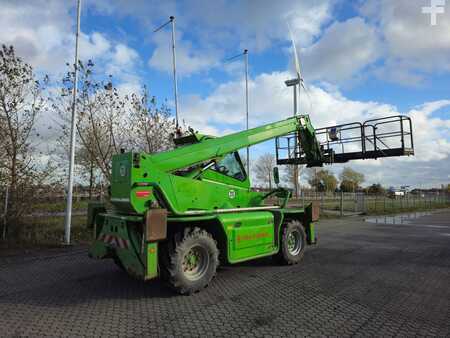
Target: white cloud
(342, 52)
(38, 30)
(221, 27)
(270, 101)
(256, 23)
(431, 134)
(414, 47)
(124, 55)
(93, 45)
(42, 32)
(189, 59)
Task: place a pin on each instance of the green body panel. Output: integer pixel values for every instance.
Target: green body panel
(202, 194)
(249, 234)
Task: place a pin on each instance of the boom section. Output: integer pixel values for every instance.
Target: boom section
(212, 148)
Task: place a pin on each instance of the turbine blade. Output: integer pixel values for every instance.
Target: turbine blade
(296, 59)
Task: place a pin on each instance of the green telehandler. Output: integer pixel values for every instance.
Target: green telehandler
(178, 214)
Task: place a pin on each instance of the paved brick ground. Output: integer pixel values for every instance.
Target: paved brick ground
(362, 279)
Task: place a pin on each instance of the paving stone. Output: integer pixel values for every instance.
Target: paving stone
(360, 280)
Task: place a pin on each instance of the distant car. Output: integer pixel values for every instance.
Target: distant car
(396, 194)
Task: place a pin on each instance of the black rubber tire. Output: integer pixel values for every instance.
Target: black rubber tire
(284, 256)
(173, 254)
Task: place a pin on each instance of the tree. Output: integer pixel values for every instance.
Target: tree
(108, 121)
(376, 189)
(151, 127)
(21, 101)
(293, 178)
(102, 127)
(263, 169)
(322, 180)
(350, 180)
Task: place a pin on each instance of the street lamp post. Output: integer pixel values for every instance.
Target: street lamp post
(174, 65)
(72, 134)
(294, 83)
(246, 106)
(245, 54)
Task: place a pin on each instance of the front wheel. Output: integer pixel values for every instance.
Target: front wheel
(293, 243)
(191, 261)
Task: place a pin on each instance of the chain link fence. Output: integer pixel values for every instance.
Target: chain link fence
(357, 203)
(42, 202)
(52, 202)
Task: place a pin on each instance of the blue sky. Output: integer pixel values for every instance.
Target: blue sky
(360, 59)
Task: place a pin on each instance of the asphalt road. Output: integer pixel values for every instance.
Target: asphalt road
(362, 279)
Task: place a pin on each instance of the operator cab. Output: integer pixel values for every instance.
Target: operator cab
(231, 165)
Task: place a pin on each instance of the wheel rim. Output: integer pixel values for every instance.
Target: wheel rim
(294, 242)
(195, 262)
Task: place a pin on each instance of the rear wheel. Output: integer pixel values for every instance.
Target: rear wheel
(190, 262)
(293, 243)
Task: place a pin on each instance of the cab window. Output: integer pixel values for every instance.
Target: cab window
(231, 166)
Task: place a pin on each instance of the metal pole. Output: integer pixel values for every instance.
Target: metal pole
(174, 61)
(72, 135)
(294, 87)
(5, 212)
(246, 107)
(295, 99)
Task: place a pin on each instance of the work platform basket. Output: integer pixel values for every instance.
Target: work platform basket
(375, 138)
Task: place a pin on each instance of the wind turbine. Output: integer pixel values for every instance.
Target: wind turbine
(299, 80)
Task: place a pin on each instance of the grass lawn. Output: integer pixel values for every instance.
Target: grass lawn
(58, 206)
(49, 231)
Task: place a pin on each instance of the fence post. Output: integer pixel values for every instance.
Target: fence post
(321, 202)
(5, 212)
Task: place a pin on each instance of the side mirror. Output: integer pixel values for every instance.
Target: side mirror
(276, 175)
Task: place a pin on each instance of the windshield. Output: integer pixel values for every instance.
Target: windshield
(231, 166)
